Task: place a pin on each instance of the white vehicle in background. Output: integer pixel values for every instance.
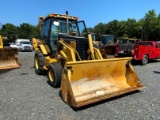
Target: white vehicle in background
(24, 45)
(13, 45)
(17, 41)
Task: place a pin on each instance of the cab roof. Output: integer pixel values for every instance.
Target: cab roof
(63, 16)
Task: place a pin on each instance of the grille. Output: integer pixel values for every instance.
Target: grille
(27, 48)
(81, 45)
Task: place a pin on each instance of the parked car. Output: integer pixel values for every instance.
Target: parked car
(25, 45)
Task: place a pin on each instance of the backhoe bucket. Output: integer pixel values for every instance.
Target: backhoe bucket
(86, 82)
(9, 58)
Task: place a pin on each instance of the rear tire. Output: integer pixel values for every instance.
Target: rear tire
(55, 74)
(145, 60)
(39, 63)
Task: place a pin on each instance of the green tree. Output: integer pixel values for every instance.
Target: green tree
(139, 28)
(100, 28)
(158, 28)
(122, 29)
(10, 31)
(112, 28)
(26, 31)
(131, 28)
(90, 29)
(150, 25)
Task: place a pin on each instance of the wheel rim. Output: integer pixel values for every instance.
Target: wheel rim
(36, 63)
(145, 60)
(51, 75)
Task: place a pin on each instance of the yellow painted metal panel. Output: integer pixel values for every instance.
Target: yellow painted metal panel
(91, 81)
(43, 49)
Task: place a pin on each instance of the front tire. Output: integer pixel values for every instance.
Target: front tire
(55, 74)
(39, 63)
(145, 60)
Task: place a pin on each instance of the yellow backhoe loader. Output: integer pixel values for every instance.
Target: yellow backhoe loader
(78, 68)
(8, 57)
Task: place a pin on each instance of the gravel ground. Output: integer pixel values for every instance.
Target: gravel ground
(27, 96)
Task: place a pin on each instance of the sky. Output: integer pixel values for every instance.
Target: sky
(92, 12)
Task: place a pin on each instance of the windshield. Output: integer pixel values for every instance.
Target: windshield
(107, 39)
(132, 41)
(25, 42)
(124, 41)
(60, 27)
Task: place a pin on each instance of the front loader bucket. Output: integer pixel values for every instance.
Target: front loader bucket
(9, 58)
(86, 82)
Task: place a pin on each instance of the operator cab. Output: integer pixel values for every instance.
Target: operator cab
(107, 39)
(56, 24)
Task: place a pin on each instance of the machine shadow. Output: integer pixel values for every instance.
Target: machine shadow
(156, 72)
(5, 71)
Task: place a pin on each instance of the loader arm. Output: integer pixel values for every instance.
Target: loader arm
(93, 52)
(98, 54)
(91, 49)
(35, 43)
(68, 52)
